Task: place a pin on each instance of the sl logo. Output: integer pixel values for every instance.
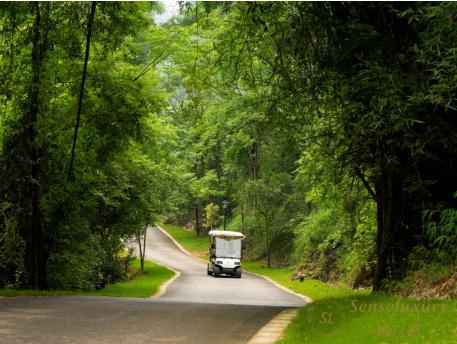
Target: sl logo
(326, 318)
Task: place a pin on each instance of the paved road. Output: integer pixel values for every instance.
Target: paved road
(196, 309)
(194, 285)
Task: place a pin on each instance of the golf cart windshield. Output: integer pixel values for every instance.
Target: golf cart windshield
(228, 247)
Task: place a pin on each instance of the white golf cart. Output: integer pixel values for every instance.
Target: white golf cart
(225, 253)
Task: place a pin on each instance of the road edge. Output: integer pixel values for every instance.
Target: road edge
(164, 287)
(173, 239)
(274, 329)
(280, 286)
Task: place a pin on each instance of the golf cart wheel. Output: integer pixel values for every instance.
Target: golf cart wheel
(216, 271)
(208, 272)
(237, 273)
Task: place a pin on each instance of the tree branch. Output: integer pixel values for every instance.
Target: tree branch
(152, 63)
(81, 90)
(359, 174)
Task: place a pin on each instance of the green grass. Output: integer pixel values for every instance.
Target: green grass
(143, 285)
(314, 289)
(197, 245)
(374, 318)
(340, 315)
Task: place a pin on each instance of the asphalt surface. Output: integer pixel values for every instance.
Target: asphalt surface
(196, 309)
(194, 285)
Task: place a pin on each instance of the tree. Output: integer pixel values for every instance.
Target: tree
(36, 261)
(272, 205)
(71, 231)
(360, 78)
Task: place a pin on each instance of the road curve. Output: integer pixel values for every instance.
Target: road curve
(194, 285)
(195, 309)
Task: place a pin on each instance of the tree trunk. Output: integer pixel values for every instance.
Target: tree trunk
(255, 161)
(242, 217)
(268, 242)
(9, 83)
(197, 221)
(144, 249)
(218, 161)
(90, 22)
(141, 248)
(35, 262)
(257, 157)
(381, 258)
(387, 217)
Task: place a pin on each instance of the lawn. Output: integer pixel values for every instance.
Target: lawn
(341, 315)
(143, 285)
(374, 319)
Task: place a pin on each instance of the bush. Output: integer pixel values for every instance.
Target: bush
(77, 265)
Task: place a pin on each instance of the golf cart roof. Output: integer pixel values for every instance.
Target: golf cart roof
(225, 233)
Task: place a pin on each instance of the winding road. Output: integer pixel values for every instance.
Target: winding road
(195, 308)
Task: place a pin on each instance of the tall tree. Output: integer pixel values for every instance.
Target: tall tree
(36, 262)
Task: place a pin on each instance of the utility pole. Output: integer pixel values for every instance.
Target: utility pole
(224, 206)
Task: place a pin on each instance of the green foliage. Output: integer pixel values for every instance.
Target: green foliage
(441, 231)
(12, 249)
(354, 96)
(124, 165)
(79, 265)
(212, 216)
(337, 239)
(242, 138)
(254, 241)
(329, 129)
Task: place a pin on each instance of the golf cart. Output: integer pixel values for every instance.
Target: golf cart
(225, 253)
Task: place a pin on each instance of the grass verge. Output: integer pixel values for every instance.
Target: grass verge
(340, 315)
(374, 318)
(143, 285)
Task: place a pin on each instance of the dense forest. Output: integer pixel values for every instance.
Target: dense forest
(326, 128)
